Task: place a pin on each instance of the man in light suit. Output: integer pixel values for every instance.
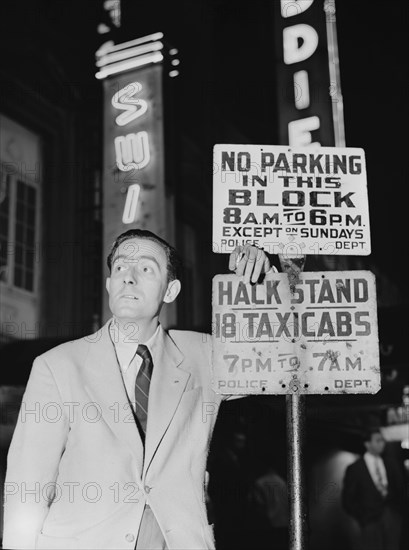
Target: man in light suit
(88, 466)
(373, 494)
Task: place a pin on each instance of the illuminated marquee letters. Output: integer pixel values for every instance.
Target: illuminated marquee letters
(301, 89)
(299, 43)
(131, 203)
(293, 51)
(124, 100)
(299, 131)
(294, 7)
(131, 150)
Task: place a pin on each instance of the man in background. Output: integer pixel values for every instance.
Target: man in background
(373, 495)
(268, 501)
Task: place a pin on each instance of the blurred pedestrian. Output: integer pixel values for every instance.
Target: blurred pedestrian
(373, 494)
(268, 502)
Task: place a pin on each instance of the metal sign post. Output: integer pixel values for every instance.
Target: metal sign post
(295, 415)
(295, 420)
(296, 333)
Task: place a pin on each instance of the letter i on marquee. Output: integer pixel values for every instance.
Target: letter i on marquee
(131, 203)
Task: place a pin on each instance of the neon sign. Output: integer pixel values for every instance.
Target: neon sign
(310, 103)
(131, 150)
(133, 75)
(133, 107)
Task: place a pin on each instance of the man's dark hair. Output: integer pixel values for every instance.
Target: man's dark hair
(174, 264)
(369, 432)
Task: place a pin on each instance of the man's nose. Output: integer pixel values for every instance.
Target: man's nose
(130, 277)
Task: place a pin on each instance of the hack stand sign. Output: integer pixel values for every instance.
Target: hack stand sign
(296, 332)
(320, 338)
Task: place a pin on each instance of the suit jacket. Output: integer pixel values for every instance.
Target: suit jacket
(77, 476)
(361, 498)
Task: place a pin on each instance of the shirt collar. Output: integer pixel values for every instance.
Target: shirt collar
(372, 459)
(126, 345)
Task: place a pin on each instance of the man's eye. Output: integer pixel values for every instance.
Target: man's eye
(119, 267)
(147, 269)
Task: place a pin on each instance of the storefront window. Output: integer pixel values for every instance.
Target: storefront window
(20, 243)
(18, 201)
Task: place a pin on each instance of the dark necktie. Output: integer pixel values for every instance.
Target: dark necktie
(142, 383)
(380, 482)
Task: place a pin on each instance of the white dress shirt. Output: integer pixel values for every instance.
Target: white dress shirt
(126, 346)
(377, 471)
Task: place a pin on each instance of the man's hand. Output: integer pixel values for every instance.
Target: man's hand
(250, 262)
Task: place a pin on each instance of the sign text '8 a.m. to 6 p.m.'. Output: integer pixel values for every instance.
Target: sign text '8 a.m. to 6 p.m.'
(286, 200)
(319, 337)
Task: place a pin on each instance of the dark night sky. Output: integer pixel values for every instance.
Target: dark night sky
(226, 48)
(227, 81)
(227, 89)
(374, 71)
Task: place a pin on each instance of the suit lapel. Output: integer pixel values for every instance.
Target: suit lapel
(167, 386)
(105, 385)
(370, 480)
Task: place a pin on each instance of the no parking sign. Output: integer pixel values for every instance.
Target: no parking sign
(288, 200)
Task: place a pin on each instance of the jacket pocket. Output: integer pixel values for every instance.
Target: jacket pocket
(45, 542)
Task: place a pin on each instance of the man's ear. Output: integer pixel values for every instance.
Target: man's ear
(172, 291)
(108, 280)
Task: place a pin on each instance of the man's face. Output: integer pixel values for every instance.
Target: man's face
(376, 445)
(138, 284)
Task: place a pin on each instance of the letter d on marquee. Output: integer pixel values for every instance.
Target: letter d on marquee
(294, 53)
